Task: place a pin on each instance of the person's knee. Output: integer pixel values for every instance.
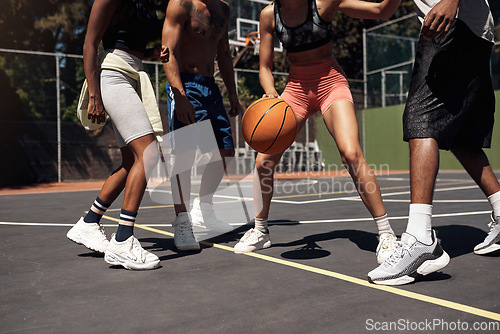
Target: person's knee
(351, 157)
(265, 165)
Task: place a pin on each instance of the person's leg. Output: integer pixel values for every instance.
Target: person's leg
(112, 188)
(340, 120)
(477, 165)
(124, 248)
(135, 185)
(263, 188)
(213, 174)
(424, 166)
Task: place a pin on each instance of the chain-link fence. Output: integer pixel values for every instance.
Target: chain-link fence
(44, 141)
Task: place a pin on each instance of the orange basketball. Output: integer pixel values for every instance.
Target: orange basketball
(269, 125)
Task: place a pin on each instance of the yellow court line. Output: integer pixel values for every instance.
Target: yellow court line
(408, 294)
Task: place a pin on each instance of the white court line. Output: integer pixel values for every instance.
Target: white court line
(355, 198)
(320, 221)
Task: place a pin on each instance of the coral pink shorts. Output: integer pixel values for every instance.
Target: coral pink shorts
(315, 87)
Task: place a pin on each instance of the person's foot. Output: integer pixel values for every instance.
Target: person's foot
(91, 235)
(130, 255)
(252, 240)
(492, 241)
(184, 239)
(410, 259)
(387, 243)
(204, 220)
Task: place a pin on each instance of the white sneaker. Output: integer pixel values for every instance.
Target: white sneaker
(130, 255)
(410, 259)
(184, 239)
(492, 241)
(252, 240)
(91, 235)
(386, 245)
(204, 220)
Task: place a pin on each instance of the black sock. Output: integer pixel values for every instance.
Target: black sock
(96, 211)
(125, 231)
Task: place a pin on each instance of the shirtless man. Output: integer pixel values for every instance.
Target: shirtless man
(196, 33)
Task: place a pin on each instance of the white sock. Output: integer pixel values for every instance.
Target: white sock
(261, 224)
(495, 203)
(419, 222)
(383, 225)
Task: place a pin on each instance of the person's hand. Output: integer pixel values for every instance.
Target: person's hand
(95, 111)
(184, 110)
(272, 94)
(164, 54)
(438, 21)
(236, 108)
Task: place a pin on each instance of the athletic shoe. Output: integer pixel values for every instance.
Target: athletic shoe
(252, 240)
(130, 255)
(91, 235)
(387, 243)
(410, 258)
(492, 241)
(184, 239)
(204, 220)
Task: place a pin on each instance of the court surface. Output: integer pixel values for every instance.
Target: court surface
(312, 280)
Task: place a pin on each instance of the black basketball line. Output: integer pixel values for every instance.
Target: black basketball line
(260, 120)
(277, 135)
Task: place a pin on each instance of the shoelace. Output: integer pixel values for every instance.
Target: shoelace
(101, 229)
(391, 239)
(398, 254)
(136, 248)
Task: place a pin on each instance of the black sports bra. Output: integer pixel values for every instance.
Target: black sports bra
(311, 34)
(137, 26)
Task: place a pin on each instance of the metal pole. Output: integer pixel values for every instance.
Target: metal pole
(401, 88)
(365, 70)
(58, 94)
(383, 88)
(306, 149)
(237, 131)
(365, 93)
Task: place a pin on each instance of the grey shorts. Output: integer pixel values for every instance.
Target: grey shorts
(123, 104)
(451, 96)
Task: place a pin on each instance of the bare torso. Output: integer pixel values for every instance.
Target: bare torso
(202, 32)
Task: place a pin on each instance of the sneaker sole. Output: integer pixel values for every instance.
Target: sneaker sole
(116, 260)
(77, 239)
(425, 268)
(487, 250)
(249, 249)
(188, 247)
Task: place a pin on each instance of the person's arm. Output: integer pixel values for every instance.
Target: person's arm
(227, 71)
(438, 21)
(175, 18)
(100, 17)
(368, 10)
(266, 51)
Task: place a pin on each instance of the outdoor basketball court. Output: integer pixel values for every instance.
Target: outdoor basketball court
(312, 280)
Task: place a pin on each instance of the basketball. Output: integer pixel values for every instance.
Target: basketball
(269, 125)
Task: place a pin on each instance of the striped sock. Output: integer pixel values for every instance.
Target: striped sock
(126, 225)
(383, 224)
(261, 224)
(96, 211)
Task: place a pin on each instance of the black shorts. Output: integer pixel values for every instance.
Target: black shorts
(451, 97)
